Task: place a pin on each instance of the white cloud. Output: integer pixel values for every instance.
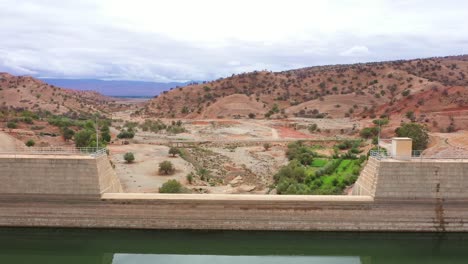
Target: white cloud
(356, 51)
(207, 39)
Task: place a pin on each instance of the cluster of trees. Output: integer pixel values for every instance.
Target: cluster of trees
(83, 130)
(86, 137)
(298, 178)
(298, 151)
(155, 126)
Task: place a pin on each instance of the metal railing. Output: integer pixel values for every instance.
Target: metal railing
(418, 154)
(87, 151)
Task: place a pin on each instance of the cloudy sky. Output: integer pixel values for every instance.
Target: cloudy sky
(180, 40)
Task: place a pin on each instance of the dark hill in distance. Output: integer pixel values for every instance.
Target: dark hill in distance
(115, 87)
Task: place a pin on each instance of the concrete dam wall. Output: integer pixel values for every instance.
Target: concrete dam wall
(391, 196)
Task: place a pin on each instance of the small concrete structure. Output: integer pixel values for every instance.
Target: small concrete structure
(402, 148)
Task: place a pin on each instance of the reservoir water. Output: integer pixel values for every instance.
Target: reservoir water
(70, 246)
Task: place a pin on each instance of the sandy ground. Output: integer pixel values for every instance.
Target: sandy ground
(142, 175)
(448, 144)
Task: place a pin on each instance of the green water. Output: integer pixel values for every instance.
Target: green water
(69, 246)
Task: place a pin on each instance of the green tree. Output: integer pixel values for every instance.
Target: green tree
(129, 157)
(105, 134)
(166, 167)
(417, 132)
(266, 146)
(174, 151)
(171, 186)
(83, 138)
(67, 133)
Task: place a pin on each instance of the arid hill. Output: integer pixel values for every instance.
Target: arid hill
(28, 93)
(432, 90)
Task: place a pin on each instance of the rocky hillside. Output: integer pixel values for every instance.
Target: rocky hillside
(23, 92)
(434, 90)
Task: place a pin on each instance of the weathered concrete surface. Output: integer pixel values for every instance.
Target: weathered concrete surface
(51, 175)
(263, 212)
(414, 179)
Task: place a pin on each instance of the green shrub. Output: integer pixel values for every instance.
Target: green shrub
(129, 157)
(126, 133)
(190, 177)
(28, 120)
(30, 143)
(171, 186)
(381, 121)
(369, 132)
(12, 125)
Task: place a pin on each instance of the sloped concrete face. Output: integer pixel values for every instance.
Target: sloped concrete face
(108, 180)
(423, 179)
(57, 175)
(366, 183)
(414, 179)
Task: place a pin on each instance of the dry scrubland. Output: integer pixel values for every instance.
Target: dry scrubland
(222, 126)
(434, 89)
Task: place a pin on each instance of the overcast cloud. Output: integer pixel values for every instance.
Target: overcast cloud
(181, 40)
